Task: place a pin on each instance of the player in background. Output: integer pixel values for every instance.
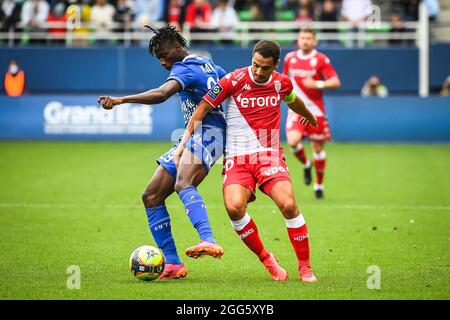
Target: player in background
(191, 76)
(253, 152)
(311, 72)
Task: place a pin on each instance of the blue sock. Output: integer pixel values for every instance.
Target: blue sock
(159, 224)
(196, 210)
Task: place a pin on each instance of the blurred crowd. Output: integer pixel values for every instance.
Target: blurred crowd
(220, 14)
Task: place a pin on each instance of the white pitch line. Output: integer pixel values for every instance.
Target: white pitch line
(12, 205)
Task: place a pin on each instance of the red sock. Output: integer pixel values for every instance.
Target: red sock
(299, 239)
(249, 234)
(320, 161)
(300, 154)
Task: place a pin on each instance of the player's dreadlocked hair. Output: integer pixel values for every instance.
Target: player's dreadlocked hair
(165, 34)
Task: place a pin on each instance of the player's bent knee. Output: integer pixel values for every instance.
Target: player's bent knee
(289, 208)
(235, 209)
(181, 184)
(151, 199)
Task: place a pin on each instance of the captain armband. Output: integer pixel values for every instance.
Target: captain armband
(290, 98)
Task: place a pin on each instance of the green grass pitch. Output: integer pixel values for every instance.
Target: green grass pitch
(64, 204)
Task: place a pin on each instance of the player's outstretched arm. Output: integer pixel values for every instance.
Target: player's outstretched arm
(196, 120)
(298, 106)
(331, 83)
(153, 96)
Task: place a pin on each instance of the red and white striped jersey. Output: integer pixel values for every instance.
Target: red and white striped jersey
(253, 110)
(315, 65)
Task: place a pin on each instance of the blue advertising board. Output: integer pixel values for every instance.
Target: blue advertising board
(59, 117)
(81, 118)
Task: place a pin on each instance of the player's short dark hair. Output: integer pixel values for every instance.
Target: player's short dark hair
(308, 30)
(267, 49)
(164, 35)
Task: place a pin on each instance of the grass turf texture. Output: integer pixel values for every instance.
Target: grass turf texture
(65, 204)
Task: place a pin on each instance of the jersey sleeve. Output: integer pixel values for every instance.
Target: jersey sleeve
(182, 74)
(287, 87)
(220, 92)
(327, 70)
(286, 64)
(220, 72)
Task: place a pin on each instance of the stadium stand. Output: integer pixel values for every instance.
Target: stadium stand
(120, 22)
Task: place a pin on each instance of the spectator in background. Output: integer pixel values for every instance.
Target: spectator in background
(102, 14)
(148, 11)
(433, 9)
(304, 15)
(307, 4)
(124, 15)
(268, 9)
(9, 14)
(397, 25)
(355, 11)
(374, 88)
(35, 13)
(14, 80)
(293, 5)
(256, 12)
(243, 5)
(224, 17)
(445, 91)
(407, 8)
(328, 12)
(58, 15)
(175, 13)
(198, 15)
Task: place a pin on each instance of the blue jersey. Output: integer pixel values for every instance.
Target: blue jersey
(197, 75)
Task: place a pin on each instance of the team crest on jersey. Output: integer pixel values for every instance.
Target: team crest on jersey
(233, 82)
(277, 86)
(215, 91)
(313, 62)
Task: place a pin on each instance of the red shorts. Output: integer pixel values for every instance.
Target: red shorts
(264, 169)
(321, 133)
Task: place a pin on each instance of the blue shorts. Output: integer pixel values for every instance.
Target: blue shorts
(207, 146)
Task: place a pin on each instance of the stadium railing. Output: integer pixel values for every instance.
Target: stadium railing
(245, 33)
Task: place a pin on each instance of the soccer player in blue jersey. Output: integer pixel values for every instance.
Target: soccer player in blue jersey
(191, 76)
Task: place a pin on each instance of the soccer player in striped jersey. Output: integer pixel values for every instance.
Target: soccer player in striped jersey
(253, 155)
(311, 72)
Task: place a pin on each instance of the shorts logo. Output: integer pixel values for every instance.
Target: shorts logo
(229, 164)
(274, 170)
(215, 91)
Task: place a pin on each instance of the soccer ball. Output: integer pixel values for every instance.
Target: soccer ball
(147, 263)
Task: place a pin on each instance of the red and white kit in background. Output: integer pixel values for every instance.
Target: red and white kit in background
(298, 67)
(253, 152)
